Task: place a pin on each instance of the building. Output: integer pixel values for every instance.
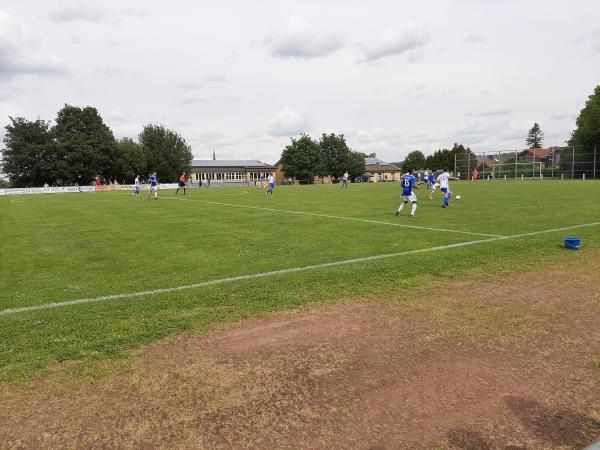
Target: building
(230, 172)
(377, 170)
(547, 156)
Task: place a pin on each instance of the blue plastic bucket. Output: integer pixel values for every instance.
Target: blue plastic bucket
(572, 243)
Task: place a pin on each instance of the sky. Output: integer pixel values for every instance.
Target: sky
(244, 77)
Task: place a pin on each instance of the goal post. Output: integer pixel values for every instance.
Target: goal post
(532, 169)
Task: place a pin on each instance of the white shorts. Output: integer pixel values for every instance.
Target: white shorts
(154, 188)
(409, 198)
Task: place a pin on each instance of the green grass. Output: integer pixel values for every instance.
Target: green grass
(66, 247)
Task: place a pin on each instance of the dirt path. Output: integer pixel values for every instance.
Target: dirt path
(494, 365)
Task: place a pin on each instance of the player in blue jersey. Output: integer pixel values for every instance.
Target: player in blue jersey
(153, 180)
(409, 182)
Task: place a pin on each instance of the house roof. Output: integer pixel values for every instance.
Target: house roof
(211, 163)
(372, 161)
(383, 167)
(539, 152)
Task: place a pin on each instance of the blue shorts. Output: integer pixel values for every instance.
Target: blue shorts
(271, 185)
(444, 190)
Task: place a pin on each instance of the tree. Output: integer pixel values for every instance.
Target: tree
(586, 137)
(338, 158)
(302, 159)
(130, 161)
(165, 151)
(414, 160)
(444, 158)
(29, 157)
(535, 137)
(588, 122)
(85, 146)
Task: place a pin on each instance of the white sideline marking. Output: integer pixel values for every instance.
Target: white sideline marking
(328, 216)
(7, 312)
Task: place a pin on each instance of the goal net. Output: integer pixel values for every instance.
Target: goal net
(517, 170)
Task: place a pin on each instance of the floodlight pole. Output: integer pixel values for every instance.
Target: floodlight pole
(553, 160)
(573, 165)
(516, 162)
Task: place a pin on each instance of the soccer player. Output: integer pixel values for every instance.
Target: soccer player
(271, 185)
(434, 186)
(137, 186)
(444, 180)
(431, 179)
(408, 184)
(153, 186)
(345, 180)
(182, 180)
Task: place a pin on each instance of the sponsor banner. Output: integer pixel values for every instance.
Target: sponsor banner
(47, 190)
(63, 189)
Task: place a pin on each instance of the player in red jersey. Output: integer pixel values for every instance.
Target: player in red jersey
(182, 180)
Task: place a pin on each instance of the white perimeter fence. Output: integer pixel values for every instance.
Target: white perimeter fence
(63, 189)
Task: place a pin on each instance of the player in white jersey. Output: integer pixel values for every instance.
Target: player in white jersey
(345, 180)
(271, 185)
(137, 186)
(444, 180)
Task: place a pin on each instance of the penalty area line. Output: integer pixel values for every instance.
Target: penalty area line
(329, 216)
(153, 292)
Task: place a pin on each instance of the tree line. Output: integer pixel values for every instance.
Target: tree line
(441, 159)
(79, 147)
(305, 158)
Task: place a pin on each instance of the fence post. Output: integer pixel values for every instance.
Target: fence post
(573, 165)
(455, 164)
(482, 167)
(468, 165)
(553, 160)
(594, 161)
(516, 162)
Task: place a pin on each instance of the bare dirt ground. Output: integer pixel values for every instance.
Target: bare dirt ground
(503, 363)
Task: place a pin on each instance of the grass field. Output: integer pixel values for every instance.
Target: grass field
(463, 328)
(64, 248)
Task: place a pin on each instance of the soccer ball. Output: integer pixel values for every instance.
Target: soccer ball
(458, 197)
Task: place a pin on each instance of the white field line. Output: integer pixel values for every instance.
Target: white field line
(7, 312)
(328, 216)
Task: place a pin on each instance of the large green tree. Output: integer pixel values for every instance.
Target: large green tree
(588, 123)
(29, 157)
(415, 160)
(85, 146)
(302, 159)
(535, 136)
(586, 140)
(338, 158)
(165, 151)
(444, 158)
(130, 161)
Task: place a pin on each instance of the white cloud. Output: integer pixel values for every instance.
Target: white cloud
(193, 97)
(299, 40)
(73, 11)
(288, 122)
(19, 55)
(216, 78)
(493, 112)
(474, 39)
(83, 11)
(406, 39)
